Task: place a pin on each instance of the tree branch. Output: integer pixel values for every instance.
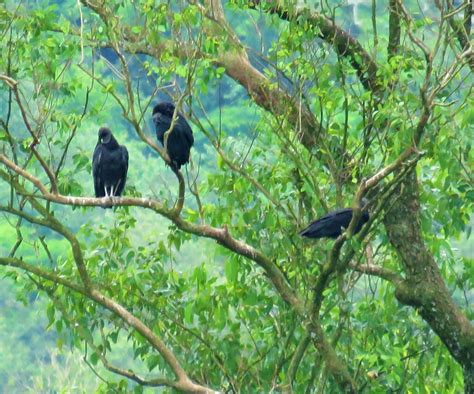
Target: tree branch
(343, 43)
(461, 28)
(424, 288)
(375, 270)
(80, 327)
(53, 277)
(51, 222)
(296, 359)
(183, 382)
(13, 85)
(221, 235)
(394, 29)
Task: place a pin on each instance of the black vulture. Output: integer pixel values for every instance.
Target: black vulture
(109, 165)
(180, 139)
(334, 223)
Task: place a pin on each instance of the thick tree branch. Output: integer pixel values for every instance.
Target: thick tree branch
(332, 264)
(271, 98)
(431, 298)
(296, 359)
(238, 67)
(333, 362)
(343, 43)
(394, 29)
(424, 288)
(183, 382)
(221, 235)
(154, 340)
(53, 277)
(51, 222)
(375, 270)
(101, 353)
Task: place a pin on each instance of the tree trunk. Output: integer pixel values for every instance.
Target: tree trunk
(424, 288)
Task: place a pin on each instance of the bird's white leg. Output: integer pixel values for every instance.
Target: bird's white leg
(105, 191)
(117, 186)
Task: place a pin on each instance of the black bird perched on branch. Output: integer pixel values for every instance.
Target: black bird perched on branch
(180, 139)
(109, 165)
(334, 223)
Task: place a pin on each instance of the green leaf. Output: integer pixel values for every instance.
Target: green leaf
(231, 270)
(152, 362)
(94, 358)
(188, 313)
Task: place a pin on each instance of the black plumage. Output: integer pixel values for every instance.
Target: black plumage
(333, 224)
(109, 165)
(180, 139)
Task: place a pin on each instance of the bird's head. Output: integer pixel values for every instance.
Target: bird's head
(164, 108)
(105, 135)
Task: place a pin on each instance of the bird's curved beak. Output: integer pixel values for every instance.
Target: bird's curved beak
(106, 139)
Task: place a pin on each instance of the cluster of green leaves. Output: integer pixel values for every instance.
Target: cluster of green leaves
(220, 315)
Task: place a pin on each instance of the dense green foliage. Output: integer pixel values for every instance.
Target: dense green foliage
(217, 310)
